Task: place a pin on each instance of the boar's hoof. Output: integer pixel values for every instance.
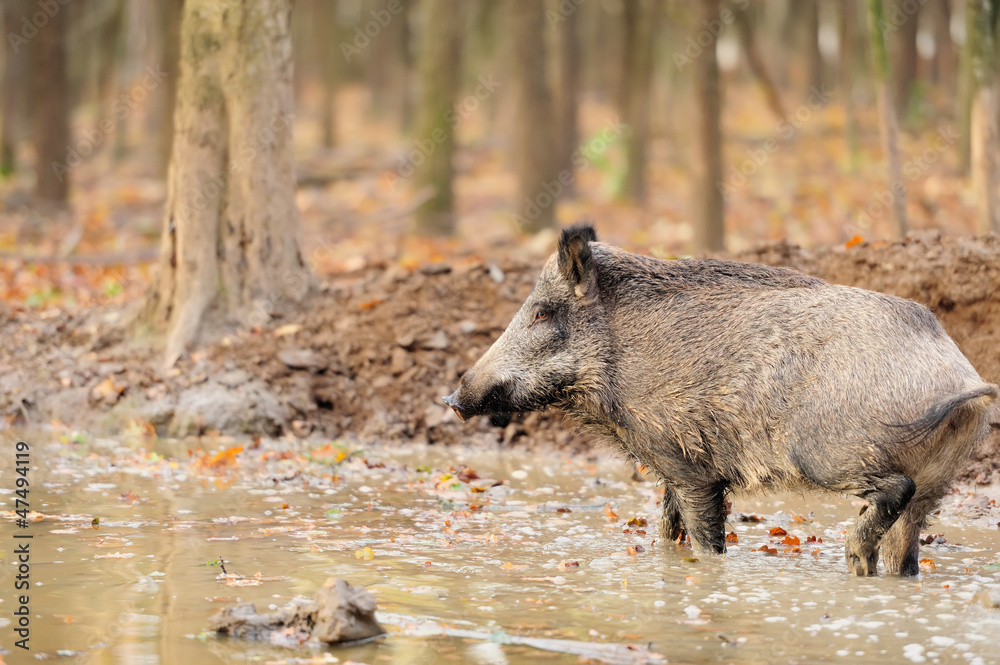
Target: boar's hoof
(862, 560)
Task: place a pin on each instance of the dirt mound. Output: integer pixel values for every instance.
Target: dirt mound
(370, 355)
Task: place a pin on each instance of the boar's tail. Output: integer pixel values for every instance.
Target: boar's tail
(915, 432)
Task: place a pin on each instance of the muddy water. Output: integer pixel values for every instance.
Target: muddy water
(537, 569)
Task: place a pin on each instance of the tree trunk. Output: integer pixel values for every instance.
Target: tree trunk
(439, 68)
(709, 231)
(50, 109)
(746, 25)
(848, 54)
(982, 22)
(568, 97)
(814, 57)
(640, 17)
(945, 62)
(230, 244)
(327, 35)
(534, 140)
(171, 12)
(12, 111)
(887, 118)
(905, 70)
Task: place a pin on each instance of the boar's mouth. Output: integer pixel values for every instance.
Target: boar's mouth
(497, 403)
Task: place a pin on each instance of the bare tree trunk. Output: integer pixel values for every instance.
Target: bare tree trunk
(709, 231)
(327, 36)
(814, 57)
(887, 118)
(982, 22)
(945, 62)
(438, 67)
(50, 109)
(746, 26)
(171, 12)
(230, 243)
(848, 52)
(568, 97)
(637, 76)
(905, 70)
(12, 111)
(534, 141)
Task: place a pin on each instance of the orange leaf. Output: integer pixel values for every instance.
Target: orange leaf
(371, 304)
(790, 540)
(928, 563)
(637, 521)
(855, 240)
(778, 531)
(731, 537)
(609, 512)
(770, 551)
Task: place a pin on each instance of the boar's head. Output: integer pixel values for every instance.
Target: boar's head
(553, 345)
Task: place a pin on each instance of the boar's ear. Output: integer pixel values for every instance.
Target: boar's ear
(575, 261)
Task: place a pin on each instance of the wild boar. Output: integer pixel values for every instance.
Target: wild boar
(721, 375)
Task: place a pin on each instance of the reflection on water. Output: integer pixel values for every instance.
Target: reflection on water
(537, 558)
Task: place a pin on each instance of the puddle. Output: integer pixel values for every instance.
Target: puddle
(542, 568)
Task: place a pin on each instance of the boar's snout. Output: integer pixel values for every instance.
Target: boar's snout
(452, 401)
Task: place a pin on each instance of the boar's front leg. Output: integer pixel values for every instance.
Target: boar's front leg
(887, 498)
(702, 510)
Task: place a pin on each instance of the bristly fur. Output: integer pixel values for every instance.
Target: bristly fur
(721, 375)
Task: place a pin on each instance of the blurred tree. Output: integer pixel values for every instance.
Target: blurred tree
(887, 117)
(709, 227)
(814, 58)
(12, 110)
(849, 48)
(390, 62)
(904, 19)
(945, 62)
(534, 140)
(747, 27)
(568, 91)
(328, 34)
(230, 242)
(982, 26)
(640, 21)
(439, 70)
(170, 14)
(50, 108)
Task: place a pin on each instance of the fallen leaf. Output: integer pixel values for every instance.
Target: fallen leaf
(609, 512)
(778, 532)
(731, 537)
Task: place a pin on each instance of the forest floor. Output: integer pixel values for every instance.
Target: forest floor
(369, 355)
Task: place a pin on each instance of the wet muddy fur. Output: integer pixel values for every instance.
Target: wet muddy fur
(721, 375)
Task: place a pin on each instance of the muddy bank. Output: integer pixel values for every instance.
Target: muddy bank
(370, 354)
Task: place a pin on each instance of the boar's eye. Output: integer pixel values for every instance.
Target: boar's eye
(541, 314)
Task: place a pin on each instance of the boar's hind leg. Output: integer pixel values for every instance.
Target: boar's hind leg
(888, 497)
(901, 545)
(703, 514)
(671, 524)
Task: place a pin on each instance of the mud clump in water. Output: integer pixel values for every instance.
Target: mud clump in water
(340, 613)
